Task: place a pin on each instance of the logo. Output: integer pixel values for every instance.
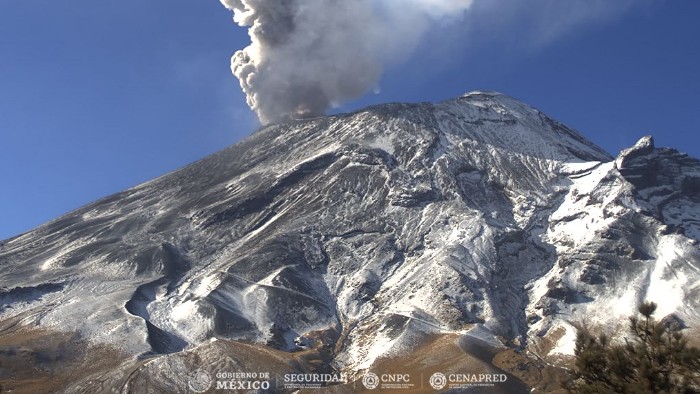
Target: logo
(370, 380)
(243, 381)
(199, 382)
(313, 380)
(438, 381)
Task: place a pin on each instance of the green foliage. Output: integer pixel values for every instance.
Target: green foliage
(654, 359)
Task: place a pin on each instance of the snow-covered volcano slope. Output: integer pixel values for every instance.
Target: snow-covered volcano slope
(369, 230)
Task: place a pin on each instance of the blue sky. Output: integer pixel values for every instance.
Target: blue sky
(96, 97)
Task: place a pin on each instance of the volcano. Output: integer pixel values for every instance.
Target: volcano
(455, 237)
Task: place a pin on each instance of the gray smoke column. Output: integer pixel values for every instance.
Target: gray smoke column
(306, 55)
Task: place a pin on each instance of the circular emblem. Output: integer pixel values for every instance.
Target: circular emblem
(370, 380)
(199, 382)
(438, 380)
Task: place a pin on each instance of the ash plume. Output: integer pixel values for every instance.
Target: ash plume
(306, 55)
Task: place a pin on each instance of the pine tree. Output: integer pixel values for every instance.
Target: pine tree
(654, 359)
